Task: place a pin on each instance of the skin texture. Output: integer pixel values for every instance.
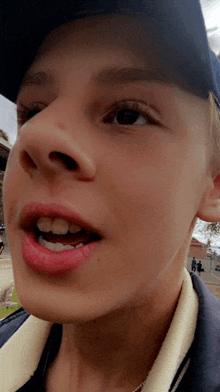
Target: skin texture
(142, 186)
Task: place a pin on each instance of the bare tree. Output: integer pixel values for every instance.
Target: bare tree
(209, 243)
(6, 294)
(207, 229)
(212, 229)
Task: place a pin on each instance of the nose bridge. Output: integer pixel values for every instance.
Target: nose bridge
(52, 146)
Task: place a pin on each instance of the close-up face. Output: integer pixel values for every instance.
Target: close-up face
(105, 146)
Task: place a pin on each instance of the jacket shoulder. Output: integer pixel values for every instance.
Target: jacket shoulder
(11, 324)
(202, 373)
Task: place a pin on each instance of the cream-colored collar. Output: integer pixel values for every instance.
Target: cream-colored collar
(20, 355)
(177, 342)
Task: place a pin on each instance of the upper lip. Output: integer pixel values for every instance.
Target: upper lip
(31, 212)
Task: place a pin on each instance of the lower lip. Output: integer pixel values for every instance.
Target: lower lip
(53, 263)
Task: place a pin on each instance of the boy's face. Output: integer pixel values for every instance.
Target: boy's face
(141, 169)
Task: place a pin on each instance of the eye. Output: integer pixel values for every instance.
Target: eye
(25, 113)
(132, 113)
(129, 117)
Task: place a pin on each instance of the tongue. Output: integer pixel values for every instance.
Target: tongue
(69, 239)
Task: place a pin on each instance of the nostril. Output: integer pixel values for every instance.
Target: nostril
(26, 161)
(64, 159)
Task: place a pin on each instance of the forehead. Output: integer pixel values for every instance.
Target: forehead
(124, 40)
(108, 36)
(103, 50)
(102, 30)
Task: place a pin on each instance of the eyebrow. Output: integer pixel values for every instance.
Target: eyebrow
(40, 78)
(114, 75)
(107, 77)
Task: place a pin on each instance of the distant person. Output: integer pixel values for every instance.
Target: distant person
(193, 267)
(1, 245)
(199, 267)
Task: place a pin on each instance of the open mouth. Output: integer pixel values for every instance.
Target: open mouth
(59, 235)
(55, 240)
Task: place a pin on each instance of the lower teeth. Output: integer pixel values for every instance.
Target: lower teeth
(57, 247)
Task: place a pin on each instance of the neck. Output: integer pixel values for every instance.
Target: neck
(117, 350)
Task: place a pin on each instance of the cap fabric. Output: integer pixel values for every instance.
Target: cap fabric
(177, 28)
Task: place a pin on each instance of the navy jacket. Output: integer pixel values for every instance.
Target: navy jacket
(203, 373)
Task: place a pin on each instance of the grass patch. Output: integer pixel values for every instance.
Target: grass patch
(15, 296)
(4, 312)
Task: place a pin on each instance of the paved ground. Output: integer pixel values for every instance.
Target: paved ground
(5, 258)
(210, 278)
(6, 278)
(6, 275)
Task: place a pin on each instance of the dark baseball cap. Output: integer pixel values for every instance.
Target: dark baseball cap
(177, 26)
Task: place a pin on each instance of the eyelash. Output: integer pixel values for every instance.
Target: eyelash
(136, 107)
(26, 113)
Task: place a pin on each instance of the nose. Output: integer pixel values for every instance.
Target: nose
(50, 152)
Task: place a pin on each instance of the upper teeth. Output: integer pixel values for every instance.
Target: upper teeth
(57, 226)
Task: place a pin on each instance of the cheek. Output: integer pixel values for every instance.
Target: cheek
(155, 201)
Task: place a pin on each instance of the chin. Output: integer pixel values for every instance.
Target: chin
(65, 313)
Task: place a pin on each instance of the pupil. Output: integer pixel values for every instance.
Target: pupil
(126, 116)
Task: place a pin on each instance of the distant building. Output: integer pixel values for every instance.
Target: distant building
(5, 148)
(198, 249)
